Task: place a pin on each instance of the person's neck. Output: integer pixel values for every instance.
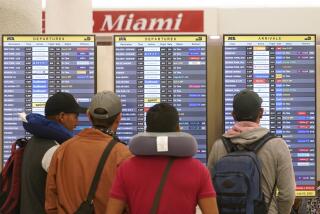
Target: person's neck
(111, 131)
(106, 130)
(247, 123)
(52, 118)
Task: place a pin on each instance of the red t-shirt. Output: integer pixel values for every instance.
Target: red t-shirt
(138, 179)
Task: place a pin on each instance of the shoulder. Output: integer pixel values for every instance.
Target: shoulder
(190, 164)
(121, 149)
(39, 144)
(191, 161)
(66, 146)
(217, 149)
(119, 153)
(121, 146)
(131, 163)
(153, 161)
(66, 143)
(180, 162)
(42, 141)
(218, 144)
(277, 140)
(275, 151)
(276, 145)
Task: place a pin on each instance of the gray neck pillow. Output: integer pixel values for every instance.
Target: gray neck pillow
(176, 144)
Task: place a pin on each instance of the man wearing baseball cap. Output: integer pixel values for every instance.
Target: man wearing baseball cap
(274, 155)
(75, 162)
(49, 131)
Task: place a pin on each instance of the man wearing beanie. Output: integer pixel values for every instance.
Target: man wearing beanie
(74, 164)
(49, 131)
(274, 155)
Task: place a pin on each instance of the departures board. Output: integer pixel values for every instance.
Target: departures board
(37, 66)
(162, 68)
(282, 70)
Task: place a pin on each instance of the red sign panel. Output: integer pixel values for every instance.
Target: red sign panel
(43, 21)
(147, 21)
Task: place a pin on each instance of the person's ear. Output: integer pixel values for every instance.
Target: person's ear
(60, 117)
(234, 116)
(89, 115)
(260, 113)
(116, 122)
(118, 118)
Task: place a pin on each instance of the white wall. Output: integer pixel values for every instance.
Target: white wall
(18, 17)
(69, 16)
(105, 74)
(293, 20)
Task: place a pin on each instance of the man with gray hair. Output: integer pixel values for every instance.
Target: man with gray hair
(74, 164)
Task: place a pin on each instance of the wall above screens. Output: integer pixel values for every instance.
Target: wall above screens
(162, 68)
(37, 66)
(282, 70)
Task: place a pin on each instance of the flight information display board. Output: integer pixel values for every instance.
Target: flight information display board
(34, 68)
(172, 69)
(282, 70)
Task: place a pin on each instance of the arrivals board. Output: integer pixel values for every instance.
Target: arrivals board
(37, 66)
(282, 70)
(163, 68)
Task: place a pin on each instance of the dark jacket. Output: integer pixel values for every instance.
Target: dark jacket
(46, 134)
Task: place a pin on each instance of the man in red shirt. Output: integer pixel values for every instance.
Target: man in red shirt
(188, 183)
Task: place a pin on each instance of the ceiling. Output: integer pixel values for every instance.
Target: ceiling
(152, 4)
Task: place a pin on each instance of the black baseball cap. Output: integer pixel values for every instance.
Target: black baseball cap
(62, 102)
(246, 104)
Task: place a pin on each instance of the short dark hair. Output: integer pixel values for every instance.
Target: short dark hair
(253, 117)
(162, 117)
(106, 123)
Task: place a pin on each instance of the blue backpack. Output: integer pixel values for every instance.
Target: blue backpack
(237, 179)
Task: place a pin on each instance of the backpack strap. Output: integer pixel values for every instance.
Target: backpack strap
(272, 193)
(99, 169)
(255, 147)
(21, 143)
(157, 197)
(230, 147)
